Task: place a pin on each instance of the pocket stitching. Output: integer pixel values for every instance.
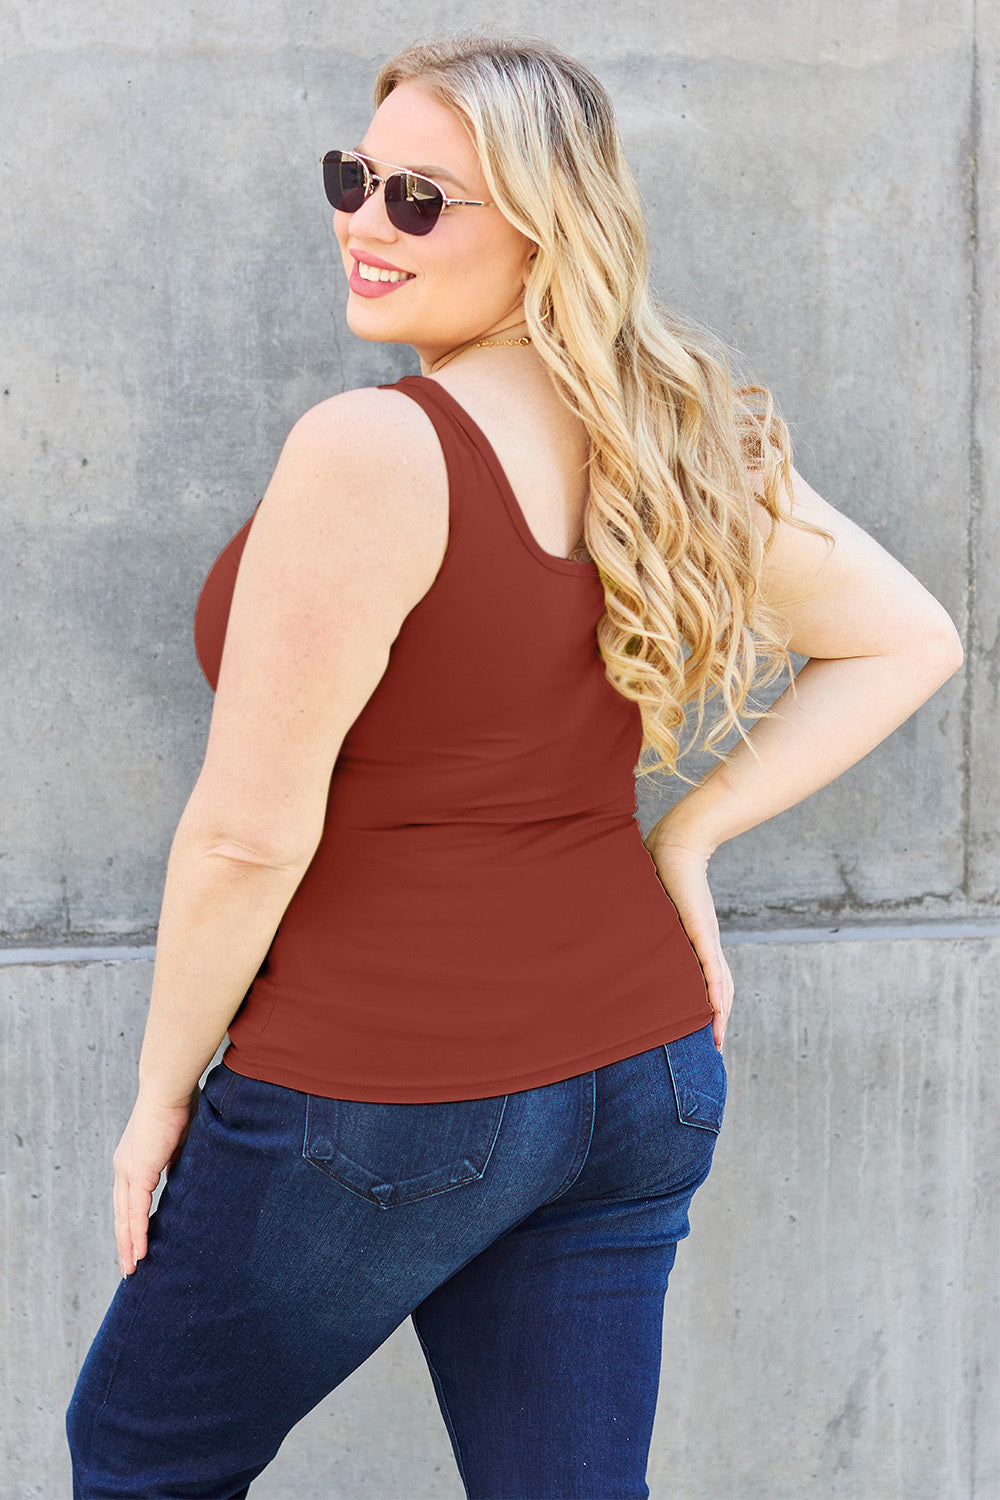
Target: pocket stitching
(683, 1093)
(331, 1166)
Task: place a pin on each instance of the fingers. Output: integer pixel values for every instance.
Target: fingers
(719, 984)
(703, 931)
(720, 1021)
(151, 1141)
(683, 873)
(123, 1231)
(721, 990)
(140, 1203)
(122, 1237)
(132, 1204)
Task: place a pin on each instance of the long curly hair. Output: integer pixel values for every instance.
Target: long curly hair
(670, 513)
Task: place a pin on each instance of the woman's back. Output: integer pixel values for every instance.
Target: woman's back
(542, 446)
(481, 914)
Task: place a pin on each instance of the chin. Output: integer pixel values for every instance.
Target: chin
(371, 334)
(374, 329)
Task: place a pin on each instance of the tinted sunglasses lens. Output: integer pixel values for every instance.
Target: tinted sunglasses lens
(413, 204)
(344, 182)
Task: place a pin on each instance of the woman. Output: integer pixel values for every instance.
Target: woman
(475, 1073)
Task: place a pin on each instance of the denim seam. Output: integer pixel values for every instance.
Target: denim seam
(682, 1107)
(443, 1401)
(182, 1208)
(230, 1080)
(447, 1187)
(580, 1158)
(496, 1136)
(117, 1360)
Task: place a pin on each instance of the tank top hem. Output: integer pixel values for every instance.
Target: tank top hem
(329, 1087)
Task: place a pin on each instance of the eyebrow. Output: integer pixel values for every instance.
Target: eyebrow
(424, 171)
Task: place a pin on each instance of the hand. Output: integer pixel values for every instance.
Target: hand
(151, 1142)
(682, 868)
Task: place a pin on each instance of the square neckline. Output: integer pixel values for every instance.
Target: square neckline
(586, 568)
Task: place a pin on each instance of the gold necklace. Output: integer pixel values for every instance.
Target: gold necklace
(496, 343)
(479, 344)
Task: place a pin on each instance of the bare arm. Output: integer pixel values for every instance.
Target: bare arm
(879, 645)
(343, 545)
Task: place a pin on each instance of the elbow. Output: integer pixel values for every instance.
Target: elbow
(268, 856)
(941, 646)
(211, 828)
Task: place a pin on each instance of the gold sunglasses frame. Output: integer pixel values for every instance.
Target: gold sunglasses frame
(376, 181)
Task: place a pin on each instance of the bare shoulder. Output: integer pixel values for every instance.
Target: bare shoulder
(371, 433)
(385, 407)
(366, 466)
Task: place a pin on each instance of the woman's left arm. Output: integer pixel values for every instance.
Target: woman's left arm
(879, 645)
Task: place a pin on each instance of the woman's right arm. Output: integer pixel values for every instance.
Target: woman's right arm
(347, 539)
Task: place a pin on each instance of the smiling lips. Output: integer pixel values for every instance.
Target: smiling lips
(373, 278)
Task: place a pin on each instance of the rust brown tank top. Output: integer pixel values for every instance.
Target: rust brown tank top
(481, 915)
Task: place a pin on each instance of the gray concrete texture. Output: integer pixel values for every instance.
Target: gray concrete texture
(817, 191)
(830, 1327)
(820, 184)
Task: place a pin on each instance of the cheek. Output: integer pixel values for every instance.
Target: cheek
(501, 257)
(478, 262)
(493, 275)
(341, 228)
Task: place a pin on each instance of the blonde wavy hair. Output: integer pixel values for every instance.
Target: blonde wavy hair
(670, 514)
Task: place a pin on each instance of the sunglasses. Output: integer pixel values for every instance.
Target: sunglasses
(413, 203)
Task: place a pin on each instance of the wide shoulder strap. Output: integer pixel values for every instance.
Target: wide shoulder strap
(474, 469)
(442, 409)
(452, 422)
(465, 462)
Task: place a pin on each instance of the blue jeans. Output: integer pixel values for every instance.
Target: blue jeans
(528, 1236)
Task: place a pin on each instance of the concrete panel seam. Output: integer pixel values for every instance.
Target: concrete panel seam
(884, 933)
(975, 458)
(9, 956)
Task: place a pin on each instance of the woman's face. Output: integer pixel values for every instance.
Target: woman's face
(467, 276)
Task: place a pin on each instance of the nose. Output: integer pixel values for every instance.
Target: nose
(371, 219)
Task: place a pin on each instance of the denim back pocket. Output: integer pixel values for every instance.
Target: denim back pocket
(699, 1079)
(398, 1153)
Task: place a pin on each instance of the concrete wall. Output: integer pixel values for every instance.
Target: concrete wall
(821, 189)
(830, 1328)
